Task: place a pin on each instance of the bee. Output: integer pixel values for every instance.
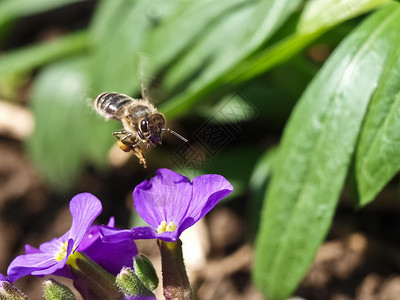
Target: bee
(142, 122)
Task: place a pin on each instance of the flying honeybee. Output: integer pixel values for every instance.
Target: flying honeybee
(143, 123)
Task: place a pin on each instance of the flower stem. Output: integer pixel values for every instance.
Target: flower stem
(93, 279)
(176, 283)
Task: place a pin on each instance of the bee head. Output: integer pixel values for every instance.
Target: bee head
(151, 128)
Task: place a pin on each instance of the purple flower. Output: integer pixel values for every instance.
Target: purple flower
(171, 203)
(3, 278)
(111, 256)
(52, 257)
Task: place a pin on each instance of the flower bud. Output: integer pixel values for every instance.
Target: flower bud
(131, 285)
(9, 291)
(54, 290)
(145, 271)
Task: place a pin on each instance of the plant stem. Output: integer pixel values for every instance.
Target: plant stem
(176, 283)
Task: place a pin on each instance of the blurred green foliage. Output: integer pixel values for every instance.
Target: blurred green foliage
(318, 144)
(194, 56)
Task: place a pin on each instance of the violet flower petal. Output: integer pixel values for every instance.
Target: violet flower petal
(63, 272)
(111, 256)
(137, 297)
(30, 249)
(168, 236)
(208, 190)
(111, 222)
(114, 235)
(51, 257)
(39, 264)
(26, 264)
(52, 246)
(92, 235)
(171, 197)
(161, 198)
(84, 209)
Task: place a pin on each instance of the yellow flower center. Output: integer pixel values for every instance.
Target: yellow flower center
(163, 227)
(72, 259)
(62, 252)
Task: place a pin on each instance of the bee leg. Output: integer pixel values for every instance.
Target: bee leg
(120, 135)
(119, 132)
(125, 138)
(122, 140)
(139, 154)
(125, 142)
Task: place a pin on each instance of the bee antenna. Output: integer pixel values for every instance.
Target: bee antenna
(175, 134)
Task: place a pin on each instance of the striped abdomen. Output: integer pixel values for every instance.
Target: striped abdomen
(111, 105)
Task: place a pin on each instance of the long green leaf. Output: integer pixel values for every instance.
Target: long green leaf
(114, 45)
(378, 152)
(182, 31)
(67, 132)
(13, 9)
(118, 32)
(323, 14)
(30, 57)
(315, 154)
(107, 14)
(244, 28)
(262, 61)
(310, 26)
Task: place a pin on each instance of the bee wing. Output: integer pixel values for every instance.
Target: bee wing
(151, 88)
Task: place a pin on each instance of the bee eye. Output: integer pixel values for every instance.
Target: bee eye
(143, 125)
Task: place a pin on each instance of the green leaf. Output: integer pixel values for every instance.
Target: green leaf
(118, 33)
(107, 15)
(319, 15)
(12, 9)
(261, 61)
(218, 54)
(30, 57)
(180, 31)
(245, 27)
(309, 28)
(68, 133)
(378, 151)
(315, 153)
